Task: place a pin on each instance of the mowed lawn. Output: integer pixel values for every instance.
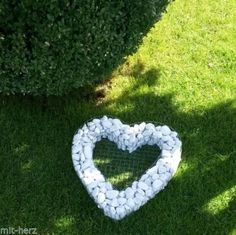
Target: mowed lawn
(182, 75)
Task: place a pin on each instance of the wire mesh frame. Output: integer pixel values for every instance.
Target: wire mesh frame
(120, 167)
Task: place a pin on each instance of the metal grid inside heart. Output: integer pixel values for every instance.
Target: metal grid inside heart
(121, 168)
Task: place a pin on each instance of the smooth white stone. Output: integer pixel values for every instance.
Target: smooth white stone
(155, 176)
(134, 185)
(106, 124)
(166, 138)
(77, 149)
(165, 130)
(149, 193)
(144, 177)
(136, 128)
(87, 164)
(88, 152)
(108, 201)
(142, 126)
(139, 196)
(140, 136)
(103, 190)
(141, 191)
(174, 134)
(152, 170)
(178, 143)
(106, 208)
(76, 139)
(165, 177)
(165, 153)
(77, 169)
(108, 185)
(76, 156)
(137, 201)
(88, 172)
(86, 140)
(97, 131)
(82, 157)
(129, 193)
(101, 197)
(112, 194)
(125, 136)
(142, 185)
(147, 133)
(95, 192)
(150, 126)
(116, 133)
(121, 201)
(90, 189)
(166, 147)
(171, 143)
(114, 202)
(148, 181)
(122, 193)
(157, 185)
(120, 210)
(112, 210)
(127, 208)
(96, 121)
(162, 169)
(117, 122)
(93, 185)
(100, 178)
(130, 203)
(91, 126)
(87, 181)
(116, 216)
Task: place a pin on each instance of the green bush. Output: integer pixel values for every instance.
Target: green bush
(51, 47)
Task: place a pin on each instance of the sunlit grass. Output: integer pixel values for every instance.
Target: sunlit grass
(221, 201)
(64, 222)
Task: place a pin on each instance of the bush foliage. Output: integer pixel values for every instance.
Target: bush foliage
(51, 47)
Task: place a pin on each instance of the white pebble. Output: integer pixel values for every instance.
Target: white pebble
(152, 170)
(145, 176)
(120, 210)
(155, 176)
(165, 130)
(162, 169)
(130, 203)
(129, 192)
(101, 197)
(122, 193)
(149, 193)
(121, 201)
(112, 210)
(166, 153)
(95, 192)
(142, 185)
(112, 194)
(139, 196)
(157, 185)
(134, 185)
(114, 202)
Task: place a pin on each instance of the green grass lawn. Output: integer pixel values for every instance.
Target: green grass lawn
(183, 75)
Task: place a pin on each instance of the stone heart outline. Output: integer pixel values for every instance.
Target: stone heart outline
(117, 204)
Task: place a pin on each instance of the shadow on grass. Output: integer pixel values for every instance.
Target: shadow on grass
(39, 187)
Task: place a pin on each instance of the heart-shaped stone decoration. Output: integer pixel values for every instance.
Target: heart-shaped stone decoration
(117, 204)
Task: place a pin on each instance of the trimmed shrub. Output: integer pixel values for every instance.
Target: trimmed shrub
(52, 47)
